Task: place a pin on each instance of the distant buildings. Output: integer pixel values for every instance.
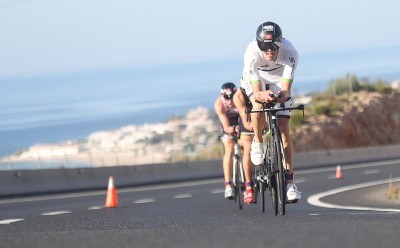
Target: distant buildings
(147, 143)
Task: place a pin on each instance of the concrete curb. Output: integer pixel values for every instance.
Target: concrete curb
(29, 182)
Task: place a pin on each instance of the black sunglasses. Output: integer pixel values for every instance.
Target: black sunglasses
(227, 97)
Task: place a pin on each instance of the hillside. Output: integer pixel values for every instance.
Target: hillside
(362, 119)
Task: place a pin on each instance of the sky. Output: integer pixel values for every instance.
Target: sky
(44, 37)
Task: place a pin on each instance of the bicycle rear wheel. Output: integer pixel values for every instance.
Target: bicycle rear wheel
(262, 187)
(256, 183)
(279, 171)
(274, 195)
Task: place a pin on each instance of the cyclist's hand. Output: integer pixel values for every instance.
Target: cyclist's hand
(230, 130)
(284, 95)
(265, 96)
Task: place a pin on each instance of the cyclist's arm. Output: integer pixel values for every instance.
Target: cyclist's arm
(286, 91)
(223, 118)
(291, 58)
(252, 62)
(240, 103)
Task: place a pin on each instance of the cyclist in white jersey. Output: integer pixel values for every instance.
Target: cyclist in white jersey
(270, 62)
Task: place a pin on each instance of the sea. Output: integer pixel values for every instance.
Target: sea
(70, 106)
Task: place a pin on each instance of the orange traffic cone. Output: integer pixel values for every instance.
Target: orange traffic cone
(338, 172)
(112, 198)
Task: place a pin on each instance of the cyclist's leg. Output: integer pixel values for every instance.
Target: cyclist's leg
(258, 123)
(227, 164)
(283, 123)
(292, 194)
(245, 142)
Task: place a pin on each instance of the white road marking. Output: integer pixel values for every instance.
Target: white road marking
(95, 207)
(57, 212)
(372, 171)
(356, 166)
(217, 191)
(385, 213)
(314, 214)
(183, 196)
(148, 200)
(300, 180)
(5, 222)
(104, 192)
(315, 199)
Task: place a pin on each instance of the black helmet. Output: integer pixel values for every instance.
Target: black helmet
(269, 36)
(228, 90)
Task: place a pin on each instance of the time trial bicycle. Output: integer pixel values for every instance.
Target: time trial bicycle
(271, 173)
(237, 168)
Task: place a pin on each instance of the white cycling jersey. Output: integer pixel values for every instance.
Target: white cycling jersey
(258, 69)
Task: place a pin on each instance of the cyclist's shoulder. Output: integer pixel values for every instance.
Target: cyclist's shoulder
(218, 101)
(252, 51)
(288, 48)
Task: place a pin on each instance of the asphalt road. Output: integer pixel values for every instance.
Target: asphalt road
(350, 212)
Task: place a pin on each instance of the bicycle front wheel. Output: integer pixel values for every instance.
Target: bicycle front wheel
(280, 171)
(238, 182)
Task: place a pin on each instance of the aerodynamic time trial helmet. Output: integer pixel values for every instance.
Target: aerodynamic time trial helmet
(228, 90)
(269, 36)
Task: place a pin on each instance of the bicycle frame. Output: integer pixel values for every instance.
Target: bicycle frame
(271, 173)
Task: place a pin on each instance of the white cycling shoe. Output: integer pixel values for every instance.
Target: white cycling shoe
(292, 194)
(229, 193)
(256, 153)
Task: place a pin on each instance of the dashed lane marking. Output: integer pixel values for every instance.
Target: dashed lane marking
(148, 200)
(300, 180)
(5, 222)
(347, 167)
(369, 172)
(95, 207)
(136, 189)
(182, 196)
(57, 212)
(217, 191)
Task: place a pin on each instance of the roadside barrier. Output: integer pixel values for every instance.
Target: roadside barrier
(30, 182)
